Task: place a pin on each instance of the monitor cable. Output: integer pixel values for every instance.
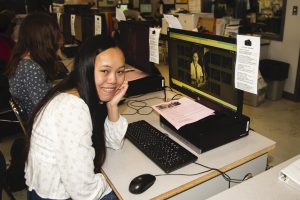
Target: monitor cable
(209, 169)
(140, 107)
(225, 175)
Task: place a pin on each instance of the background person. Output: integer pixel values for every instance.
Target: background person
(34, 62)
(7, 24)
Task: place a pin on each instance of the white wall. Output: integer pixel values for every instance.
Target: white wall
(288, 49)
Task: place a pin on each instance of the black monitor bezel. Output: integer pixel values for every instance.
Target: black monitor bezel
(198, 97)
(143, 45)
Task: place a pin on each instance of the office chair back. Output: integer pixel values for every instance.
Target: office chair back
(2, 173)
(4, 88)
(3, 177)
(19, 112)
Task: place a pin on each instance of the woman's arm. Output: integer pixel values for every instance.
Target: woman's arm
(115, 126)
(112, 105)
(115, 132)
(36, 83)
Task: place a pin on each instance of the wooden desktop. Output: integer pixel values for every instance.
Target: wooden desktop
(237, 158)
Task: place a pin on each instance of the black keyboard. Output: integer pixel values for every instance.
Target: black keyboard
(161, 149)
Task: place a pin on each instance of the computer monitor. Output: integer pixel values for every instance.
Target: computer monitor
(211, 80)
(145, 8)
(123, 6)
(66, 28)
(88, 23)
(133, 40)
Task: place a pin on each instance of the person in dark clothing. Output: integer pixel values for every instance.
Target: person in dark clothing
(33, 64)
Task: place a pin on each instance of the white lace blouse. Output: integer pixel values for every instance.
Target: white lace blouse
(60, 161)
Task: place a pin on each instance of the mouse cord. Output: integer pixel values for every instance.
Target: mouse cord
(184, 174)
(224, 175)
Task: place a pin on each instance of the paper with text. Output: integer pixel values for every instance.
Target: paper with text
(120, 16)
(247, 61)
(173, 21)
(72, 21)
(58, 16)
(153, 45)
(183, 111)
(98, 25)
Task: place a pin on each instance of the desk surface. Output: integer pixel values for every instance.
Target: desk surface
(263, 186)
(123, 165)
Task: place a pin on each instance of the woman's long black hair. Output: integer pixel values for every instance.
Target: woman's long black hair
(82, 79)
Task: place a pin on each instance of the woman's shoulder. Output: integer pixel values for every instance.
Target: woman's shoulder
(68, 101)
(28, 62)
(68, 97)
(28, 65)
(68, 106)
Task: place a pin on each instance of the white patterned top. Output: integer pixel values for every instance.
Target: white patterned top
(60, 161)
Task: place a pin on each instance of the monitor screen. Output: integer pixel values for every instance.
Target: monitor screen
(202, 67)
(145, 8)
(133, 40)
(123, 6)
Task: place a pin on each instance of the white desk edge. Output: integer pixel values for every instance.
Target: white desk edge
(265, 186)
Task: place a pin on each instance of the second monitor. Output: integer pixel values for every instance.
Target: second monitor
(134, 42)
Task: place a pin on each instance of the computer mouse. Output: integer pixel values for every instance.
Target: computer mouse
(141, 183)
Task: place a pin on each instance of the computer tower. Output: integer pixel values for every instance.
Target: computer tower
(210, 132)
(151, 83)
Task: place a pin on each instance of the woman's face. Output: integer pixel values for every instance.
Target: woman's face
(109, 73)
(195, 57)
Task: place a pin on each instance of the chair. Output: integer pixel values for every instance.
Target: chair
(3, 181)
(4, 88)
(12, 176)
(19, 113)
(7, 117)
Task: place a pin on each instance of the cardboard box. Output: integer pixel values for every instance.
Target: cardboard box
(207, 23)
(255, 99)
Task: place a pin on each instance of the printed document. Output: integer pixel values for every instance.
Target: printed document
(153, 45)
(173, 21)
(120, 16)
(183, 111)
(247, 61)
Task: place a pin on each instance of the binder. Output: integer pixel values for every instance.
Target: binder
(291, 174)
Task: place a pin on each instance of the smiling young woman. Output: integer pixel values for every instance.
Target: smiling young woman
(75, 123)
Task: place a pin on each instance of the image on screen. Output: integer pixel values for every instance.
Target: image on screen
(145, 8)
(203, 66)
(123, 7)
